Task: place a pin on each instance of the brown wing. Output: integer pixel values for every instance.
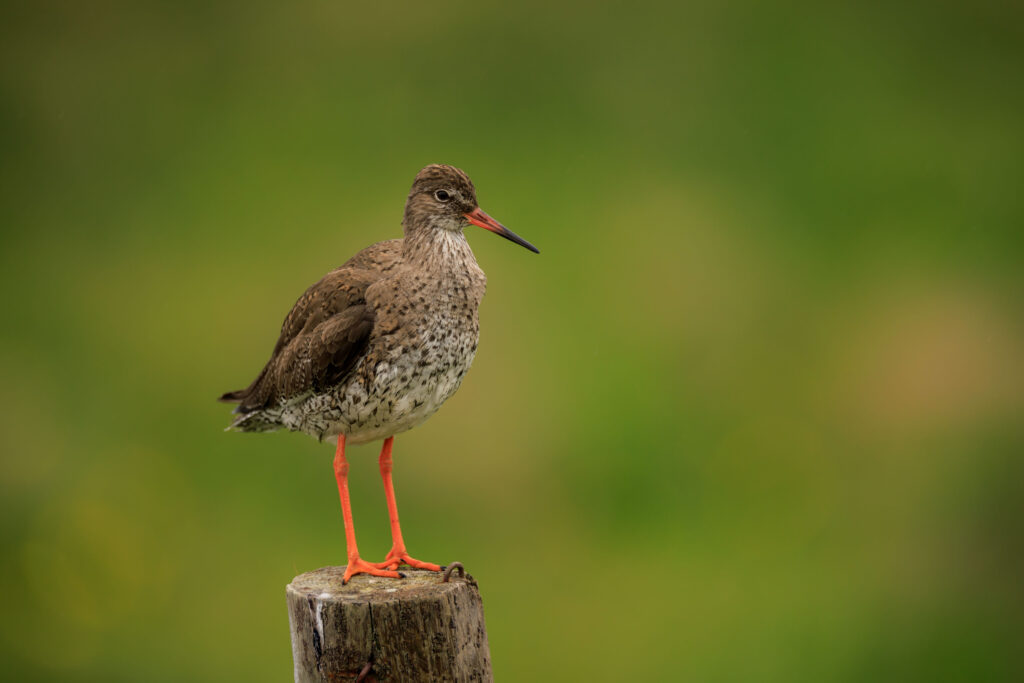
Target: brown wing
(325, 333)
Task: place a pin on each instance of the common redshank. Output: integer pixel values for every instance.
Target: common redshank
(376, 346)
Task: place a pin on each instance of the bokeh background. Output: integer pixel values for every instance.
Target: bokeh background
(754, 413)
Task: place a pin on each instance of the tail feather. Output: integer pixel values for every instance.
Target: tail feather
(234, 396)
(255, 421)
(253, 413)
(252, 397)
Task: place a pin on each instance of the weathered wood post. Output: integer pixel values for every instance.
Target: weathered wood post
(420, 628)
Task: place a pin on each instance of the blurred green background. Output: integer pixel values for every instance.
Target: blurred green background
(754, 413)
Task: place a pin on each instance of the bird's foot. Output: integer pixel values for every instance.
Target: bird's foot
(399, 556)
(357, 565)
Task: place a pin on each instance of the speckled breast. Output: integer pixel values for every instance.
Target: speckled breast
(406, 374)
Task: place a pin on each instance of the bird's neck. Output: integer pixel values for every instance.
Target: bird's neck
(438, 249)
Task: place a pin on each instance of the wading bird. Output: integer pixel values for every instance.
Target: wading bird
(375, 347)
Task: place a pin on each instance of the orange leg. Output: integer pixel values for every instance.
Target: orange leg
(398, 555)
(355, 564)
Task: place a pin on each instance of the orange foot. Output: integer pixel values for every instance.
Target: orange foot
(360, 566)
(399, 556)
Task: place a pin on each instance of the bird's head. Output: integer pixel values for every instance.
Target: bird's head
(443, 198)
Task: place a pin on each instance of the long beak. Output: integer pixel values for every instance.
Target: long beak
(478, 217)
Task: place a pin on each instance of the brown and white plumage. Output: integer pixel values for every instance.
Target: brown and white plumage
(378, 344)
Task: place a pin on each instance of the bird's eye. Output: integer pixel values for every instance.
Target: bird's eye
(442, 196)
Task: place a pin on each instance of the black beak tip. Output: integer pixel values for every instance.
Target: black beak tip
(511, 236)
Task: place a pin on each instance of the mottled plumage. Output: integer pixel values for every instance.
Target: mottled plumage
(376, 346)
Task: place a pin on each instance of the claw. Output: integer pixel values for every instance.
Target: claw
(359, 566)
(396, 558)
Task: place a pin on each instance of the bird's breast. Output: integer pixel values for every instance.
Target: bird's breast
(425, 338)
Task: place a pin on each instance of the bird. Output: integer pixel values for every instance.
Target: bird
(377, 345)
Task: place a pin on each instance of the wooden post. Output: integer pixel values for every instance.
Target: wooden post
(414, 629)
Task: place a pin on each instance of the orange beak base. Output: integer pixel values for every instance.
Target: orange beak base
(478, 217)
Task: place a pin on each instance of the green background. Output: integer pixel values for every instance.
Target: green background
(753, 414)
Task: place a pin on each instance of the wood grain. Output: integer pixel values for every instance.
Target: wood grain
(411, 629)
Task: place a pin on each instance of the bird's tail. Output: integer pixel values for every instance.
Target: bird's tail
(253, 413)
(234, 396)
(251, 398)
(255, 421)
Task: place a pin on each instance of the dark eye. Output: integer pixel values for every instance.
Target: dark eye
(442, 195)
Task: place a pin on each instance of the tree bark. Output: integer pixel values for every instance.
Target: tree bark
(413, 629)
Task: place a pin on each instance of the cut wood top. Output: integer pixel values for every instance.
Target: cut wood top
(413, 629)
(325, 584)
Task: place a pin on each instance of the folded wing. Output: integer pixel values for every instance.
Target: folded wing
(324, 335)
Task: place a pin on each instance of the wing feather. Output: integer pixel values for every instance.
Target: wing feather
(325, 333)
